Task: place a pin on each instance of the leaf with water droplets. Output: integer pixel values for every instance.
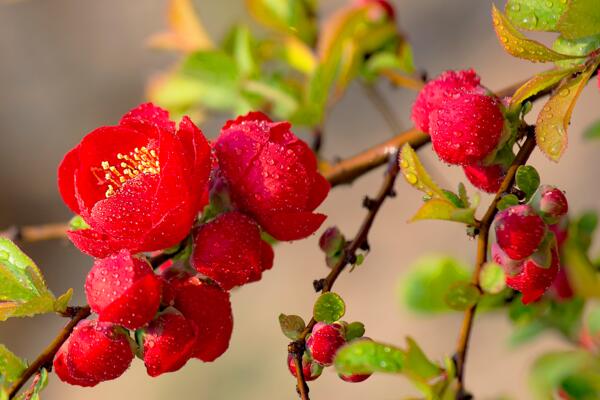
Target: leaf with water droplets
(492, 278)
(417, 365)
(516, 44)
(366, 356)
(575, 47)
(444, 210)
(416, 175)
(291, 325)
(535, 15)
(527, 179)
(554, 119)
(507, 201)
(581, 18)
(62, 302)
(23, 291)
(354, 330)
(462, 295)
(329, 308)
(537, 84)
(11, 366)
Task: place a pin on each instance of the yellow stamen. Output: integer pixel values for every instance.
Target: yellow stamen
(139, 161)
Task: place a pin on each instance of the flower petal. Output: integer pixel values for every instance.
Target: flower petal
(148, 114)
(94, 243)
(66, 179)
(287, 226)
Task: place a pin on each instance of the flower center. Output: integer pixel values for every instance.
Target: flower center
(139, 161)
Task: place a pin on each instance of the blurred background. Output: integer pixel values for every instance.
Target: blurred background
(68, 66)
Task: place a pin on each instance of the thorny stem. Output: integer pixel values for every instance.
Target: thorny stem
(44, 360)
(297, 347)
(482, 246)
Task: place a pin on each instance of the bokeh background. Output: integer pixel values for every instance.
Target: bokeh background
(68, 66)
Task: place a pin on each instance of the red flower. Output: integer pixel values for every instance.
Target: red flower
(139, 185)
(272, 175)
(229, 250)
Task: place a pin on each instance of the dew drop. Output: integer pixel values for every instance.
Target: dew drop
(411, 178)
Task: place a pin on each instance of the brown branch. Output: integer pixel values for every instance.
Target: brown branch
(36, 233)
(482, 246)
(297, 347)
(44, 360)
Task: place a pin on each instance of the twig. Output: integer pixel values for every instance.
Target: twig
(482, 246)
(36, 233)
(297, 347)
(47, 356)
(404, 81)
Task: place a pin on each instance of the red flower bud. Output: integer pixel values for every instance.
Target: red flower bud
(436, 90)
(123, 289)
(534, 280)
(310, 369)
(552, 203)
(168, 343)
(486, 178)
(95, 352)
(139, 185)
(272, 175)
(466, 127)
(324, 342)
(208, 307)
(355, 378)
(519, 231)
(230, 251)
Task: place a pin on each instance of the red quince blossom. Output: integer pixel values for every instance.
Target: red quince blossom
(139, 184)
(230, 251)
(272, 175)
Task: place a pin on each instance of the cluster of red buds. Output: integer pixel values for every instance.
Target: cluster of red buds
(148, 185)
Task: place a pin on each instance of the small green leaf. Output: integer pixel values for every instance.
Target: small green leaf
(76, 223)
(507, 201)
(11, 366)
(23, 291)
(39, 383)
(329, 308)
(516, 44)
(581, 272)
(291, 325)
(416, 175)
(288, 17)
(243, 51)
(581, 18)
(593, 321)
(527, 179)
(575, 47)
(298, 55)
(354, 330)
(592, 131)
(535, 15)
(428, 278)
(366, 357)
(539, 83)
(492, 278)
(462, 295)
(444, 210)
(417, 365)
(554, 119)
(62, 302)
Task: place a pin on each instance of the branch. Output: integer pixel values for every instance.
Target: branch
(482, 246)
(297, 347)
(47, 356)
(36, 233)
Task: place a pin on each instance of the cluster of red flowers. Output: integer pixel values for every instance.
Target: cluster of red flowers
(528, 239)
(147, 185)
(466, 124)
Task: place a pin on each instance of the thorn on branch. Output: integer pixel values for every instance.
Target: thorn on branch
(369, 203)
(365, 245)
(319, 284)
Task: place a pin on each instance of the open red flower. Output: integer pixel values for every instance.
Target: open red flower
(139, 185)
(272, 175)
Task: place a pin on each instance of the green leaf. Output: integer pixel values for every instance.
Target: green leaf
(298, 55)
(462, 295)
(535, 15)
(507, 201)
(581, 272)
(39, 383)
(11, 366)
(593, 321)
(366, 357)
(516, 44)
(554, 119)
(444, 210)
(291, 325)
(575, 47)
(527, 179)
(417, 365)
(329, 308)
(492, 278)
(428, 279)
(62, 302)
(76, 223)
(354, 330)
(285, 103)
(243, 51)
(538, 83)
(592, 131)
(416, 175)
(288, 17)
(581, 18)
(23, 291)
